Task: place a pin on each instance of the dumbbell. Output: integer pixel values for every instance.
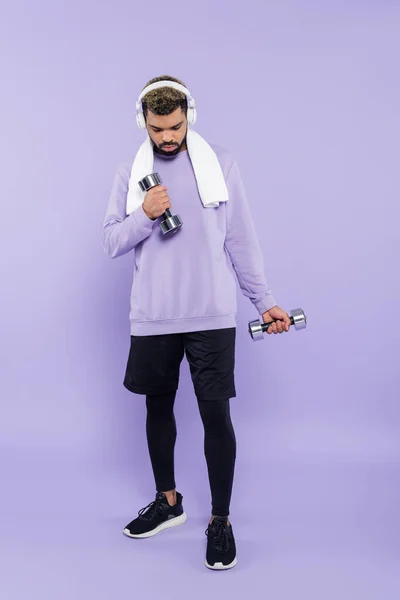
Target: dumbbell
(171, 223)
(297, 318)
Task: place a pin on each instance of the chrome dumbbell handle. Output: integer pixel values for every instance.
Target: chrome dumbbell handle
(297, 318)
(171, 223)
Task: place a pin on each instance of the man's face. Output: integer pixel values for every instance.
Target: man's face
(168, 132)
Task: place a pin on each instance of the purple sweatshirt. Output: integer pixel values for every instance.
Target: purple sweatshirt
(185, 281)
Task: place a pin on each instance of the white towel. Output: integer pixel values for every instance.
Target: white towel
(209, 176)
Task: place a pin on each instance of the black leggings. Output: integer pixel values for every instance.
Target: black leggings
(219, 446)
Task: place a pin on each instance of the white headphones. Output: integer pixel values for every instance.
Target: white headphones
(191, 112)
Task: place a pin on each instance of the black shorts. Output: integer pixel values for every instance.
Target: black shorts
(154, 363)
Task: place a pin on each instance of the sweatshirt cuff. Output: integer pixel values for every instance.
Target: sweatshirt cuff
(142, 219)
(265, 303)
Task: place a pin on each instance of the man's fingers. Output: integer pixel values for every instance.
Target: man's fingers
(279, 326)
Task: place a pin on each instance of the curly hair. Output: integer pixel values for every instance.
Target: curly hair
(164, 100)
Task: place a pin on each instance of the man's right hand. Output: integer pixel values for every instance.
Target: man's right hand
(156, 202)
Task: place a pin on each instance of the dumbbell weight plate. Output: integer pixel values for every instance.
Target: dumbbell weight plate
(150, 181)
(171, 224)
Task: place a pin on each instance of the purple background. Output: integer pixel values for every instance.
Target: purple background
(306, 96)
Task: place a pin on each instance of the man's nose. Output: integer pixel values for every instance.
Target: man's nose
(167, 136)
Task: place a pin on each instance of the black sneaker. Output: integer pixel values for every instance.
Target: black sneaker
(156, 516)
(221, 547)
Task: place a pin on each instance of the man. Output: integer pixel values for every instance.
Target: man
(183, 302)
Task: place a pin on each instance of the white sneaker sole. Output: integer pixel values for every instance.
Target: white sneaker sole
(220, 567)
(166, 525)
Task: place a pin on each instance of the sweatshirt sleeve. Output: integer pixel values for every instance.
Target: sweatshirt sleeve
(122, 233)
(242, 245)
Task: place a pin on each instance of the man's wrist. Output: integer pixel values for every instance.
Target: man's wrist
(142, 218)
(147, 215)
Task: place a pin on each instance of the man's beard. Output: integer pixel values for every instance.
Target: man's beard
(171, 152)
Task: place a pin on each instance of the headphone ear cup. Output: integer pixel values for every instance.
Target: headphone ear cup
(191, 112)
(140, 120)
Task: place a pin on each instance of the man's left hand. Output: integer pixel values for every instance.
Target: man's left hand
(282, 324)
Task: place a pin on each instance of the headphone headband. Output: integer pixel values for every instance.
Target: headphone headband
(165, 83)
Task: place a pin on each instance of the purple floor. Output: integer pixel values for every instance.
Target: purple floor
(316, 533)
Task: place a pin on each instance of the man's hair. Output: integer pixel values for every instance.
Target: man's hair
(163, 101)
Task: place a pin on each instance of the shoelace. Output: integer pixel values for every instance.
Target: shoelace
(220, 535)
(152, 509)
